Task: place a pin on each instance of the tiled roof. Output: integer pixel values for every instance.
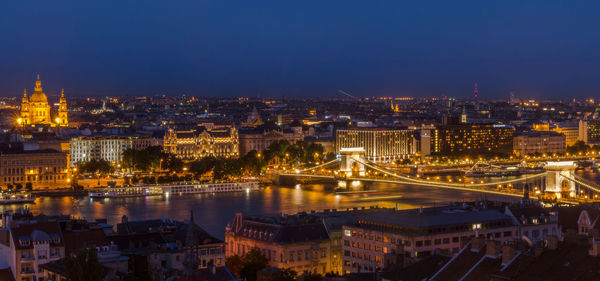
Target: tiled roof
(284, 234)
(83, 239)
(460, 264)
(26, 231)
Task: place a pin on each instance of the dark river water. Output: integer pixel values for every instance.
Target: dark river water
(214, 211)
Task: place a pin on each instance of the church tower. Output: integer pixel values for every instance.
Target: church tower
(463, 116)
(62, 120)
(24, 120)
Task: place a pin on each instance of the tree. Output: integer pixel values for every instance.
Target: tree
(138, 265)
(578, 147)
(253, 262)
(29, 186)
(83, 266)
(234, 264)
(96, 166)
(18, 186)
(9, 187)
(202, 166)
(311, 276)
(288, 274)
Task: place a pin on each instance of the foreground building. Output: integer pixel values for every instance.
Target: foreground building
(380, 144)
(170, 247)
(301, 243)
(199, 143)
(419, 233)
(25, 246)
(40, 168)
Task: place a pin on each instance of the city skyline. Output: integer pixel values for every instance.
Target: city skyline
(283, 49)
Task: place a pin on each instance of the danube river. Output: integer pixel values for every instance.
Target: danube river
(214, 211)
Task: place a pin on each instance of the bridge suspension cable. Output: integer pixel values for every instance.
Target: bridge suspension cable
(578, 180)
(453, 184)
(318, 166)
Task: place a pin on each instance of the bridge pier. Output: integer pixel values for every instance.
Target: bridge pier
(350, 164)
(558, 178)
(350, 184)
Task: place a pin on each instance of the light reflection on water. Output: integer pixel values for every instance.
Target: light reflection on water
(214, 211)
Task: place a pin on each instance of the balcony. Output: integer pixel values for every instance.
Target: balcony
(27, 270)
(25, 258)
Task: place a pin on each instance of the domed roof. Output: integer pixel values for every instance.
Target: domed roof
(38, 97)
(38, 235)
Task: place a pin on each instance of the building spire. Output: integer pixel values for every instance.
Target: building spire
(38, 84)
(62, 93)
(25, 93)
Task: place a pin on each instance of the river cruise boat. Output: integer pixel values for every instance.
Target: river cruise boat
(16, 198)
(178, 188)
(129, 191)
(196, 187)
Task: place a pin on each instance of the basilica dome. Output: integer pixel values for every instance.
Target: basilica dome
(38, 95)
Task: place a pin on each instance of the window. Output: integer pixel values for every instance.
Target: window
(427, 242)
(454, 239)
(437, 241)
(446, 240)
(420, 243)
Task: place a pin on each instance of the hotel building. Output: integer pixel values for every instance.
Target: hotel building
(196, 144)
(472, 138)
(41, 168)
(589, 131)
(380, 144)
(108, 148)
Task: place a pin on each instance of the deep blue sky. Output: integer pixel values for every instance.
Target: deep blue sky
(302, 48)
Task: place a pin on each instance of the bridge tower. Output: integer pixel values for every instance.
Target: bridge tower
(557, 178)
(349, 164)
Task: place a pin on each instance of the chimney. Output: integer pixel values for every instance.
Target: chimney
(508, 253)
(595, 250)
(552, 242)
(477, 243)
(492, 248)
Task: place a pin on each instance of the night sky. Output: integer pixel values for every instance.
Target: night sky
(302, 48)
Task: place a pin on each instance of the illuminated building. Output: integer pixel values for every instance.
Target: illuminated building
(108, 148)
(260, 139)
(370, 242)
(589, 131)
(41, 168)
(298, 243)
(35, 110)
(474, 138)
(380, 144)
(539, 142)
(569, 129)
(27, 246)
(196, 144)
